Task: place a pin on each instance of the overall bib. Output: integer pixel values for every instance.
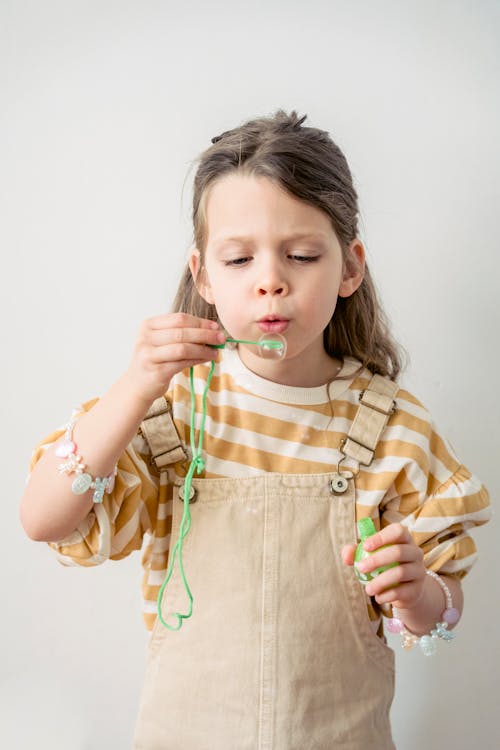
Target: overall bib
(279, 653)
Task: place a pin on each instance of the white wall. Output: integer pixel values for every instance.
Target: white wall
(104, 104)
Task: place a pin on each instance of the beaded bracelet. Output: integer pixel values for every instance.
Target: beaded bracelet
(83, 481)
(428, 643)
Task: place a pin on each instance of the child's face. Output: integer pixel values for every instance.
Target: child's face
(269, 271)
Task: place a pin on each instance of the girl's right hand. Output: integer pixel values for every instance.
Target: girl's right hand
(166, 345)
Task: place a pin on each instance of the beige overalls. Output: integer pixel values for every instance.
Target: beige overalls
(279, 653)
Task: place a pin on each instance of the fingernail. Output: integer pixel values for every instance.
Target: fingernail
(221, 337)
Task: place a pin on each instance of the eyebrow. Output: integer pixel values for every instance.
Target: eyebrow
(296, 236)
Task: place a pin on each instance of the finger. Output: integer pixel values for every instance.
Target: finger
(410, 572)
(395, 533)
(185, 364)
(179, 352)
(395, 553)
(180, 320)
(202, 335)
(348, 554)
(402, 597)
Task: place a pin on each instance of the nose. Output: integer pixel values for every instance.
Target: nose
(271, 281)
(272, 288)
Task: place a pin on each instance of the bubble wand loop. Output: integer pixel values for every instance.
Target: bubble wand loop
(198, 464)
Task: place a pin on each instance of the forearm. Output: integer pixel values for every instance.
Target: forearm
(49, 509)
(422, 618)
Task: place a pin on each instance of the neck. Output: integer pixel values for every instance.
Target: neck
(302, 372)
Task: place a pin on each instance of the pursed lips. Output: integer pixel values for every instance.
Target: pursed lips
(272, 318)
(273, 324)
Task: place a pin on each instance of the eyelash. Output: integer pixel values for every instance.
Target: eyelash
(300, 258)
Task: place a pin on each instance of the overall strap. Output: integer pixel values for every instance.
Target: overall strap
(376, 405)
(159, 431)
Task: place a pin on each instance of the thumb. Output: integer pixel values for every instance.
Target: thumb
(348, 554)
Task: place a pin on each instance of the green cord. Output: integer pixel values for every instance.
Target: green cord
(197, 464)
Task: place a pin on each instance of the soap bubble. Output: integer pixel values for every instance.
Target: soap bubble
(272, 346)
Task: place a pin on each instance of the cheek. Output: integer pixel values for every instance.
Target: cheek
(322, 304)
(226, 288)
(228, 305)
(215, 287)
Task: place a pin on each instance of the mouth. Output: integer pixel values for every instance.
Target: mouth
(273, 324)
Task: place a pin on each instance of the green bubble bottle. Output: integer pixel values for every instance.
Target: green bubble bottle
(366, 528)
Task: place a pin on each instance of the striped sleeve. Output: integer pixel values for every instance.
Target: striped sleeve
(116, 527)
(440, 501)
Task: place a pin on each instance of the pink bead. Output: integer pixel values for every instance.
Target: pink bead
(394, 625)
(65, 448)
(451, 616)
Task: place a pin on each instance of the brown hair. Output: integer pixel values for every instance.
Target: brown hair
(309, 165)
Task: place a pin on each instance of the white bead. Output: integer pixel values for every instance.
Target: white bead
(428, 645)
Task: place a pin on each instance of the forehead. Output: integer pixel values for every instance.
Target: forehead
(239, 207)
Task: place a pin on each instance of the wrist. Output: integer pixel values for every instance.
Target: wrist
(409, 623)
(137, 401)
(422, 615)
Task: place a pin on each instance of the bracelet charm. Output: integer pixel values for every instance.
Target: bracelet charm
(74, 463)
(428, 643)
(81, 483)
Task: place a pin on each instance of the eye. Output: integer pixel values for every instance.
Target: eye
(305, 258)
(235, 262)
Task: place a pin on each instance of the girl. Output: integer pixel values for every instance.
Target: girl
(284, 649)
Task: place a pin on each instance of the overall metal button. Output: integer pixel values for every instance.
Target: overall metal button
(192, 494)
(339, 484)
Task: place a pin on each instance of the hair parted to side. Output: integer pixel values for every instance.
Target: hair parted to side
(310, 166)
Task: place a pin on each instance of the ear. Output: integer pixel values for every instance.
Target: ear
(199, 274)
(354, 269)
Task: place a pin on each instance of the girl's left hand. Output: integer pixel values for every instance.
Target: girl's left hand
(401, 586)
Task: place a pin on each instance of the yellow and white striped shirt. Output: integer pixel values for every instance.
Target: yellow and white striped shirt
(255, 426)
